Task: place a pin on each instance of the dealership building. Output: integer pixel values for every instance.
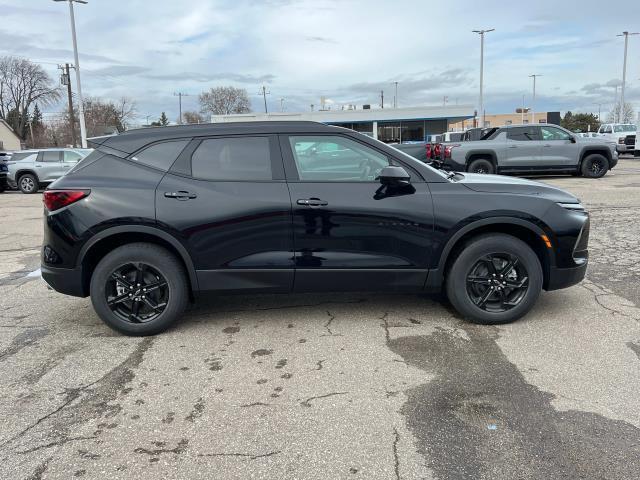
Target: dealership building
(385, 124)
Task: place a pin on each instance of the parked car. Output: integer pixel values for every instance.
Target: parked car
(531, 149)
(154, 218)
(3, 176)
(617, 133)
(5, 156)
(31, 170)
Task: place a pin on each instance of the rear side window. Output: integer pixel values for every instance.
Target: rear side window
(50, 156)
(160, 155)
(16, 157)
(521, 134)
(245, 159)
(86, 161)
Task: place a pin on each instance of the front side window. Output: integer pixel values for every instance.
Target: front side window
(552, 133)
(50, 156)
(160, 155)
(607, 129)
(240, 159)
(335, 159)
(521, 134)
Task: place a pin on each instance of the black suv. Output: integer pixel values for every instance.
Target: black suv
(154, 218)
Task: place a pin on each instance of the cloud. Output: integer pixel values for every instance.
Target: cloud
(320, 39)
(117, 71)
(211, 77)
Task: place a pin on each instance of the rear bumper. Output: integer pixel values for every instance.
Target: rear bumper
(3, 181)
(566, 277)
(64, 280)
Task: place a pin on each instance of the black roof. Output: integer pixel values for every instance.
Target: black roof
(132, 140)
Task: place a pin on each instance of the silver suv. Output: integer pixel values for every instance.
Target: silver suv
(30, 170)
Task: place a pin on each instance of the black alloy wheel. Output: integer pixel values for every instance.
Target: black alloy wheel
(497, 282)
(136, 292)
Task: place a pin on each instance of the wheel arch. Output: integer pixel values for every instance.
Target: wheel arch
(591, 150)
(524, 230)
(484, 154)
(105, 241)
(24, 171)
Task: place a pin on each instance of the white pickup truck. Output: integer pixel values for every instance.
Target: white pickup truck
(617, 132)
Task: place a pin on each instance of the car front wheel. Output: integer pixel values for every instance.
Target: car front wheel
(139, 289)
(595, 166)
(494, 279)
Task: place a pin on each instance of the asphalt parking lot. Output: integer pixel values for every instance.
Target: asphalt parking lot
(329, 386)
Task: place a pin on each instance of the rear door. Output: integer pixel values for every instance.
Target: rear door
(523, 147)
(558, 149)
(227, 201)
(49, 165)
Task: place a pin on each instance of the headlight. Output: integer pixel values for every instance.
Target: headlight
(572, 206)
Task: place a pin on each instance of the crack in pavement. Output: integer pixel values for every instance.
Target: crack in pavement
(179, 449)
(396, 459)
(55, 443)
(307, 402)
(250, 456)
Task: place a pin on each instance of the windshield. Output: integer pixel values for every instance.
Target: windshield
(624, 128)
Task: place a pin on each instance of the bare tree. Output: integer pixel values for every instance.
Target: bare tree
(618, 114)
(22, 83)
(194, 117)
(104, 117)
(224, 101)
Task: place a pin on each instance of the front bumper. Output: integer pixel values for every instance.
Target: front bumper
(624, 148)
(566, 277)
(64, 280)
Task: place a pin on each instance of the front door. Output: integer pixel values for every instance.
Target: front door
(558, 150)
(350, 232)
(226, 199)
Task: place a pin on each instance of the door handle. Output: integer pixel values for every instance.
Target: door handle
(512, 146)
(547, 145)
(39, 166)
(181, 195)
(312, 202)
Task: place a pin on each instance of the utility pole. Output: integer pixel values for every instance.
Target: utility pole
(83, 128)
(599, 107)
(282, 104)
(624, 68)
(445, 99)
(180, 95)
(65, 79)
(481, 101)
(522, 120)
(395, 97)
(533, 100)
(382, 98)
(264, 94)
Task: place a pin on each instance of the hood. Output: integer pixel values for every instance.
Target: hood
(503, 184)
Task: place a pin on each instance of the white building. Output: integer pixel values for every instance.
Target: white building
(386, 124)
(8, 139)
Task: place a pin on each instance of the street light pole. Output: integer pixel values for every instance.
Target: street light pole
(83, 128)
(481, 33)
(395, 98)
(533, 100)
(624, 67)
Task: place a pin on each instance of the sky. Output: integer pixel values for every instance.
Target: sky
(344, 50)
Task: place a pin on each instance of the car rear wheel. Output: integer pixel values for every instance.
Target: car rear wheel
(595, 166)
(494, 279)
(139, 289)
(28, 183)
(481, 165)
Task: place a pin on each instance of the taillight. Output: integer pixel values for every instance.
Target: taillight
(437, 149)
(447, 150)
(56, 199)
(428, 151)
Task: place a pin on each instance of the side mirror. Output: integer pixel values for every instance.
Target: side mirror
(573, 139)
(394, 176)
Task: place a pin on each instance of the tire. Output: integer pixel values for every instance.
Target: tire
(465, 294)
(28, 183)
(481, 165)
(595, 166)
(158, 265)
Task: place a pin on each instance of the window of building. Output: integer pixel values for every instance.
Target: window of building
(335, 159)
(241, 159)
(161, 155)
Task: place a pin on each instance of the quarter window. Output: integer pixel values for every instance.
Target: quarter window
(552, 133)
(160, 155)
(242, 159)
(335, 159)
